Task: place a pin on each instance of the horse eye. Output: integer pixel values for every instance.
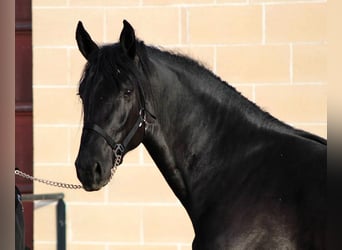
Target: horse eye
(127, 92)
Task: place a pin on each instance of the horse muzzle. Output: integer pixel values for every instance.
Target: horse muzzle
(92, 176)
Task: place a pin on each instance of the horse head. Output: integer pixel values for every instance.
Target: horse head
(113, 106)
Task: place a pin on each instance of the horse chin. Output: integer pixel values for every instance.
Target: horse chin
(91, 188)
(95, 186)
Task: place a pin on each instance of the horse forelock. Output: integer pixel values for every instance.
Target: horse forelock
(107, 62)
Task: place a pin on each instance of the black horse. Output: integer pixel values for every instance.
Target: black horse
(246, 179)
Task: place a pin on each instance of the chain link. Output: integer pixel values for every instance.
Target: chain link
(118, 152)
(47, 182)
(114, 168)
(65, 185)
(118, 157)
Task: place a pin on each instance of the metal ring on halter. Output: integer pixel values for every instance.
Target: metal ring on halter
(118, 150)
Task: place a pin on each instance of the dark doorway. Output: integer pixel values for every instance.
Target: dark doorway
(23, 106)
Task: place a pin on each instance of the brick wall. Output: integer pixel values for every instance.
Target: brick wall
(273, 51)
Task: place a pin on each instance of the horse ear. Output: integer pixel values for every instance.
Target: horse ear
(85, 44)
(127, 39)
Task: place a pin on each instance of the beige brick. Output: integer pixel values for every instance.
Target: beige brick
(44, 246)
(49, 3)
(104, 3)
(253, 64)
(80, 195)
(105, 223)
(309, 63)
(277, 1)
(119, 2)
(56, 27)
(167, 224)
(82, 3)
(56, 106)
(296, 22)
(50, 66)
(230, 1)
(145, 247)
(49, 145)
(183, 25)
(225, 24)
(161, 32)
(175, 2)
(296, 103)
(140, 184)
(86, 246)
(77, 63)
(45, 222)
(186, 247)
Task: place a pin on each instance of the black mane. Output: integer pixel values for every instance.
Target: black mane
(232, 95)
(200, 70)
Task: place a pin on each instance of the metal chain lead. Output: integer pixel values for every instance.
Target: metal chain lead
(65, 185)
(47, 182)
(117, 162)
(118, 153)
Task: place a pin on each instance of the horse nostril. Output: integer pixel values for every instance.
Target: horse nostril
(97, 169)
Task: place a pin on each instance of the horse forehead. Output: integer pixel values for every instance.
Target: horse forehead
(106, 68)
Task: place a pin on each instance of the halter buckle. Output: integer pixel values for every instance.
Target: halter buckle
(142, 115)
(118, 150)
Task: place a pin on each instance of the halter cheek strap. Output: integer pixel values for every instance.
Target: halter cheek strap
(119, 149)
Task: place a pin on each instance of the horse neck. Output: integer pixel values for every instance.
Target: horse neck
(194, 113)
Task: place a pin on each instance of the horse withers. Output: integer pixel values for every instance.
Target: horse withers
(246, 179)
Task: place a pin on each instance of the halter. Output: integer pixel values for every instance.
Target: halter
(119, 149)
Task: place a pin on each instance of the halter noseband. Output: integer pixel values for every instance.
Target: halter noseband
(118, 148)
